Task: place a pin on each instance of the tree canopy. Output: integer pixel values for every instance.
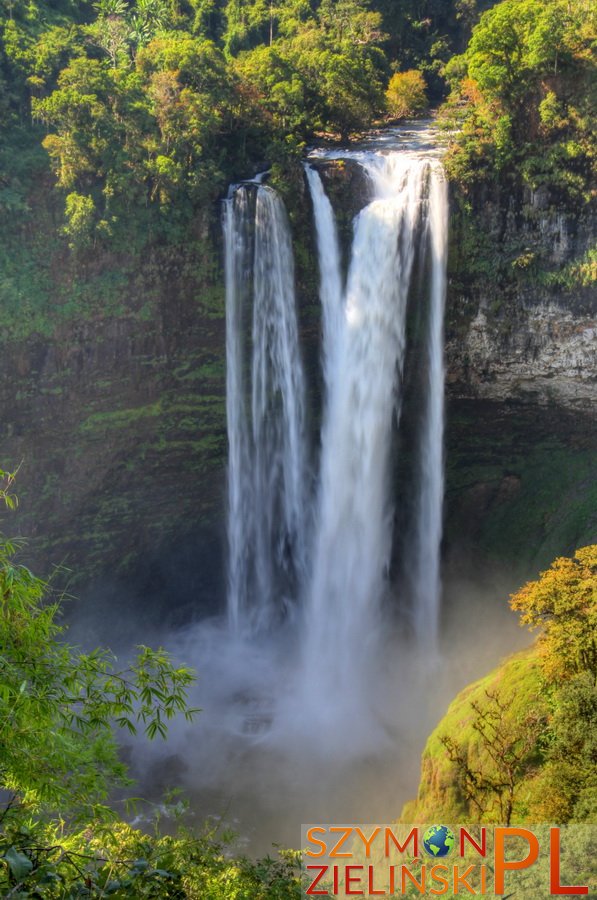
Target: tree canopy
(156, 103)
(124, 120)
(523, 98)
(563, 604)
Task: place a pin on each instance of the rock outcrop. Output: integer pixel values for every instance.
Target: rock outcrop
(546, 355)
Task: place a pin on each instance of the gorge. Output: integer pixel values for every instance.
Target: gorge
(151, 392)
(304, 431)
(332, 619)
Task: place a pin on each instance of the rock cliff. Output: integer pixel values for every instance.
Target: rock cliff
(118, 416)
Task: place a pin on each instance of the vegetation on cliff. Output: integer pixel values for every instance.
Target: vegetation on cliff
(523, 98)
(60, 836)
(519, 745)
(123, 120)
(522, 106)
(122, 123)
(158, 105)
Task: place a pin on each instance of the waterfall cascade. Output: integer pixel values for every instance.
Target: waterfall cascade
(316, 693)
(426, 585)
(267, 464)
(335, 559)
(330, 267)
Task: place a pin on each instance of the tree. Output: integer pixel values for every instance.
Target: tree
(273, 75)
(351, 20)
(189, 92)
(110, 32)
(521, 743)
(563, 604)
(545, 748)
(406, 94)
(521, 99)
(506, 753)
(571, 772)
(59, 707)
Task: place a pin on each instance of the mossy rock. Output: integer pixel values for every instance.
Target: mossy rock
(519, 686)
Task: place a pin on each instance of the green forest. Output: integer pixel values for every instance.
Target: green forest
(122, 123)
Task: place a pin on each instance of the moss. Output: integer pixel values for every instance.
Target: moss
(553, 509)
(579, 273)
(214, 369)
(519, 684)
(44, 284)
(120, 418)
(519, 482)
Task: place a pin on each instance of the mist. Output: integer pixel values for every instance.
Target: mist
(253, 761)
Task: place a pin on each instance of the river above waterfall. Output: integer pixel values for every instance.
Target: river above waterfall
(421, 137)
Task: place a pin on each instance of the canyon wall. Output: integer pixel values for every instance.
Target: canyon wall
(118, 420)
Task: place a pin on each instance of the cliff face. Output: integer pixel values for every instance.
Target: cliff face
(118, 422)
(548, 355)
(521, 353)
(522, 317)
(521, 377)
(118, 415)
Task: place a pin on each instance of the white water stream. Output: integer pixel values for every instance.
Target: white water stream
(315, 671)
(333, 563)
(267, 463)
(353, 534)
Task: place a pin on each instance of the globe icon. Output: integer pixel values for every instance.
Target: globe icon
(438, 841)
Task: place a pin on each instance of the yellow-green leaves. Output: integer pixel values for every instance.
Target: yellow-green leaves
(563, 604)
(406, 94)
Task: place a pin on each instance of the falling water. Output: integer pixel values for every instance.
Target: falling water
(322, 720)
(333, 562)
(330, 291)
(353, 537)
(236, 250)
(267, 468)
(428, 528)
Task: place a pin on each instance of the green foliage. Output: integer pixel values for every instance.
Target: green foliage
(424, 35)
(563, 603)
(6, 482)
(581, 272)
(570, 780)
(121, 862)
(322, 73)
(523, 98)
(406, 94)
(519, 745)
(124, 120)
(506, 752)
(58, 706)
(79, 213)
(59, 761)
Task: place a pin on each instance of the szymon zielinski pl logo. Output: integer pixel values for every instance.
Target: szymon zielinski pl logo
(412, 860)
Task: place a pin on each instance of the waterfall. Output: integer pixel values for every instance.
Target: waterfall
(236, 254)
(331, 561)
(353, 536)
(330, 291)
(267, 464)
(428, 527)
